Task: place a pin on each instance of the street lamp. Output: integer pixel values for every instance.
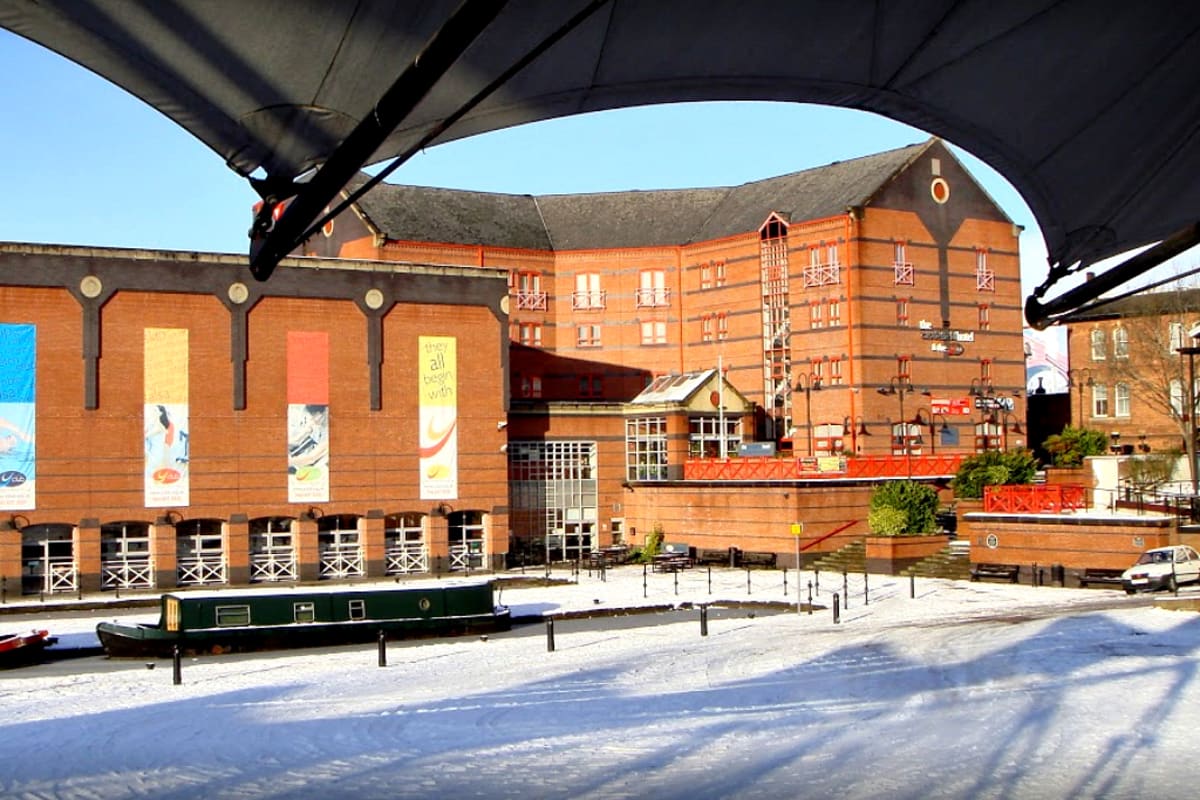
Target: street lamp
(807, 384)
(849, 425)
(1075, 378)
(899, 387)
(1190, 399)
(1014, 428)
(921, 422)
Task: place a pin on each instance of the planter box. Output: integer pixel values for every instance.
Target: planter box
(889, 555)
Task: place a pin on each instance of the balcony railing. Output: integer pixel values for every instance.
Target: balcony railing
(531, 301)
(1048, 498)
(585, 301)
(652, 298)
(766, 468)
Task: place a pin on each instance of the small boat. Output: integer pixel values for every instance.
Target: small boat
(19, 649)
(242, 621)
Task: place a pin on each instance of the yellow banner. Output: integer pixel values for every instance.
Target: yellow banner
(438, 416)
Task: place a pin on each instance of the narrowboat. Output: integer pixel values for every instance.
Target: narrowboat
(19, 649)
(242, 621)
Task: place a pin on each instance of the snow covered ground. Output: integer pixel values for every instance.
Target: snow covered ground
(967, 690)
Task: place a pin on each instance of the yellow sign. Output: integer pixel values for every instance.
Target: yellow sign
(797, 529)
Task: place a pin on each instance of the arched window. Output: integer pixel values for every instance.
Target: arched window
(1099, 350)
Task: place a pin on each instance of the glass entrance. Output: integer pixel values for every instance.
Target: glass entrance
(199, 554)
(48, 560)
(340, 547)
(272, 554)
(404, 543)
(125, 556)
(467, 550)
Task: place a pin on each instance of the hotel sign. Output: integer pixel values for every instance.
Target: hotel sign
(945, 340)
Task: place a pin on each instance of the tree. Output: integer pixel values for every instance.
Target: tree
(993, 468)
(903, 507)
(1069, 448)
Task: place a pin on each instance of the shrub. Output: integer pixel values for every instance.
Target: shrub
(652, 546)
(993, 468)
(1069, 448)
(903, 507)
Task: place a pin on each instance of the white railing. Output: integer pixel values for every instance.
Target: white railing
(201, 570)
(531, 301)
(904, 273)
(822, 274)
(273, 565)
(462, 557)
(341, 561)
(406, 558)
(61, 576)
(581, 301)
(652, 298)
(985, 280)
(127, 573)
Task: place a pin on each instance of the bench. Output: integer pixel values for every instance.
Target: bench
(763, 560)
(722, 557)
(608, 557)
(673, 557)
(1093, 575)
(1008, 572)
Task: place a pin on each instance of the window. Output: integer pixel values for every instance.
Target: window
(529, 385)
(1174, 336)
(530, 333)
(985, 317)
(902, 312)
(815, 319)
(719, 270)
(1121, 343)
(985, 371)
(1099, 351)
(722, 326)
(835, 313)
(706, 328)
(591, 386)
(1099, 400)
(1177, 401)
(231, 616)
(835, 372)
(652, 289)
(588, 294)
(587, 335)
(704, 436)
(902, 267)
(904, 367)
(654, 333)
(527, 286)
(357, 609)
(304, 612)
(1121, 399)
(985, 279)
(646, 449)
(822, 274)
(706, 275)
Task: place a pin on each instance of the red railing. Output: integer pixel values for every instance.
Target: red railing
(767, 468)
(1034, 499)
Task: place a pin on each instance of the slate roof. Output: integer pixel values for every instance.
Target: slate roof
(627, 219)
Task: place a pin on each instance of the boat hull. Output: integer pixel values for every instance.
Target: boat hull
(18, 650)
(152, 641)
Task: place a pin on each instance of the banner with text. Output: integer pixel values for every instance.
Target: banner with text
(165, 416)
(308, 416)
(438, 417)
(18, 414)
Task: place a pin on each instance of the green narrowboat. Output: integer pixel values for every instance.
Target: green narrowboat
(241, 621)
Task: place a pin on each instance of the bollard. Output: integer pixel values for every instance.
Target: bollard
(748, 580)
(382, 648)
(809, 598)
(817, 578)
(644, 590)
(846, 588)
(710, 578)
(837, 612)
(866, 593)
(176, 665)
(703, 620)
(603, 571)
(675, 575)
(912, 586)
(1034, 575)
(549, 634)
(785, 572)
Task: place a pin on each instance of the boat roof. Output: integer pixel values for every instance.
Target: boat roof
(339, 588)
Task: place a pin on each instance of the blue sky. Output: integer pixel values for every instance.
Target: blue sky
(88, 164)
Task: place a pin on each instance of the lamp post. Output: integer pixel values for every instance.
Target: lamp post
(899, 387)
(855, 432)
(920, 421)
(1075, 378)
(942, 431)
(1006, 428)
(807, 384)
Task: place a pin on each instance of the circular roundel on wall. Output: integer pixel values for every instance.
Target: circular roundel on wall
(715, 399)
(993, 541)
(327, 228)
(90, 287)
(940, 190)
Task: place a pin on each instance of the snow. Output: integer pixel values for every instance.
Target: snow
(967, 690)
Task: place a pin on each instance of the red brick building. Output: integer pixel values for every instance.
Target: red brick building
(193, 426)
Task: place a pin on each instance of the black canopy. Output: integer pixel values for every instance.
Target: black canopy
(1089, 108)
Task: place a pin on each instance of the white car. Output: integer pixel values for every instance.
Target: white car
(1162, 568)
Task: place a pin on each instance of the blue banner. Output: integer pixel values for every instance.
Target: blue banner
(18, 415)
